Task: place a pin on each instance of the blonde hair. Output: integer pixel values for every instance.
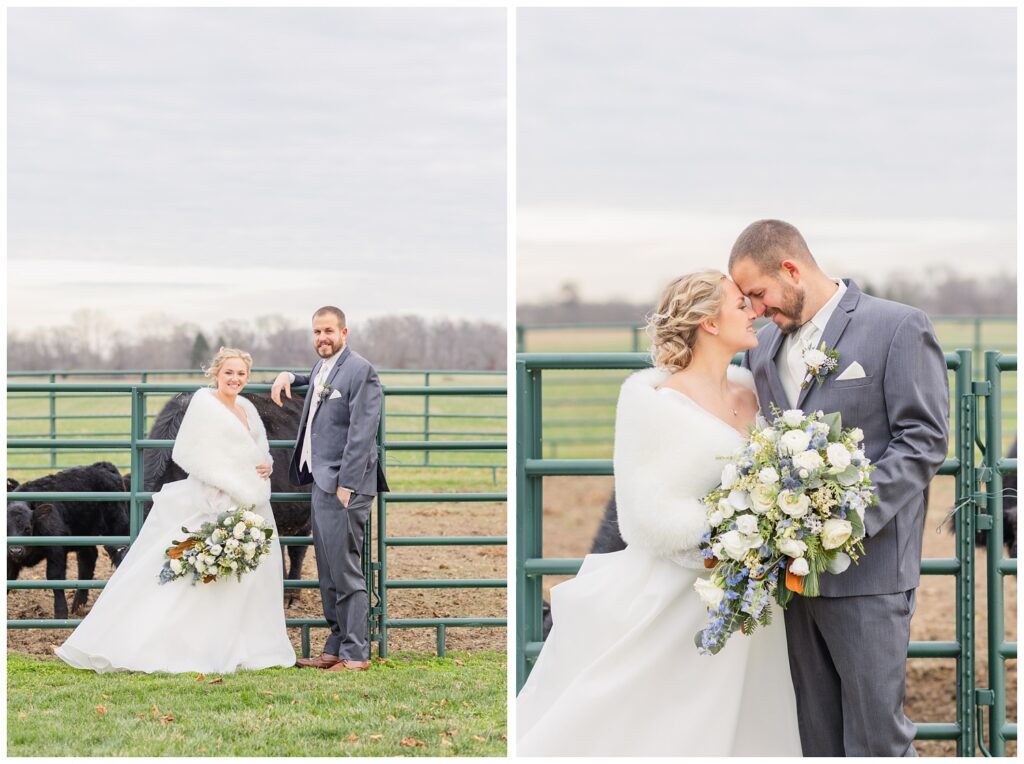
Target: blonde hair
(223, 355)
(686, 302)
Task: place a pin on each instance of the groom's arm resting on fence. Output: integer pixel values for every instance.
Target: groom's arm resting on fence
(284, 381)
(916, 391)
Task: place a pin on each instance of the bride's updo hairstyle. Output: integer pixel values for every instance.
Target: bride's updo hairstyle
(223, 355)
(673, 326)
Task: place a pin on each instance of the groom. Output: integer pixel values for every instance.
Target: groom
(848, 647)
(336, 450)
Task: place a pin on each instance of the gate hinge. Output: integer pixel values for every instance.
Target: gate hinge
(982, 521)
(984, 697)
(984, 474)
(981, 388)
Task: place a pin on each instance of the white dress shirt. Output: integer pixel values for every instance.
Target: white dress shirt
(790, 362)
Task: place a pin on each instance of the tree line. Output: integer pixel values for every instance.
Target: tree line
(92, 341)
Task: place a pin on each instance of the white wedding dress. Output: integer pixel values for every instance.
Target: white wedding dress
(139, 624)
(619, 674)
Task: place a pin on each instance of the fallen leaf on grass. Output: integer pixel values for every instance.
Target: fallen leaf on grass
(376, 737)
(366, 695)
(267, 692)
(167, 719)
(457, 662)
(479, 739)
(101, 710)
(445, 741)
(141, 714)
(335, 697)
(391, 718)
(200, 677)
(382, 660)
(411, 742)
(155, 710)
(295, 701)
(505, 738)
(444, 702)
(202, 749)
(105, 696)
(352, 738)
(218, 680)
(23, 714)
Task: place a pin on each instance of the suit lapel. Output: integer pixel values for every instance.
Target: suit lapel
(834, 329)
(774, 382)
(332, 374)
(310, 393)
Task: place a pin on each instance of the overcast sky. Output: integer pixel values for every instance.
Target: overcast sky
(210, 164)
(648, 139)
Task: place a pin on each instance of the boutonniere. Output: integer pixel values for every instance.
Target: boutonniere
(325, 391)
(820, 362)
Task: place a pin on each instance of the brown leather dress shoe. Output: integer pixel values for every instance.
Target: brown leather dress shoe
(349, 665)
(322, 661)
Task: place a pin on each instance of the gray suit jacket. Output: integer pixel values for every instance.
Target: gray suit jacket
(344, 447)
(901, 404)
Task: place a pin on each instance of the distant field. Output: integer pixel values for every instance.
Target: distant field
(579, 406)
(100, 416)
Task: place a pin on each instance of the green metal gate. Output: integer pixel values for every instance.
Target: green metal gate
(978, 506)
(375, 571)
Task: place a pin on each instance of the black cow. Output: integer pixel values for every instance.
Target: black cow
(66, 518)
(292, 517)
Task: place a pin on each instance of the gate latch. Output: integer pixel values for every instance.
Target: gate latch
(983, 521)
(984, 697)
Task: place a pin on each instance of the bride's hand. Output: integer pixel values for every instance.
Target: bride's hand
(264, 470)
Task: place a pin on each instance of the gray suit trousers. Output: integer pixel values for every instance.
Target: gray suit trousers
(338, 534)
(848, 659)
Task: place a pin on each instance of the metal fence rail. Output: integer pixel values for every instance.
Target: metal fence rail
(532, 566)
(378, 584)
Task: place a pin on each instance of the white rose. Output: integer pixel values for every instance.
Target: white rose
(239, 531)
(768, 476)
(838, 456)
(794, 504)
(216, 549)
(794, 442)
(716, 549)
(739, 499)
(856, 435)
(799, 567)
(234, 565)
(754, 542)
(814, 358)
(839, 564)
(248, 547)
(176, 566)
(762, 498)
(227, 520)
(219, 535)
(792, 547)
(249, 516)
(231, 544)
(771, 434)
(746, 524)
(200, 568)
(709, 593)
(835, 532)
(809, 460)
(734, 544)
(714, 518)
(793, 417)
(729, 475)
(725, 508)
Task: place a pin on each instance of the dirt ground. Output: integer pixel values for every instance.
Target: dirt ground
(573, 509)
(478, 562)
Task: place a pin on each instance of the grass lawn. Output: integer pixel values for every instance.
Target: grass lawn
(406, 705)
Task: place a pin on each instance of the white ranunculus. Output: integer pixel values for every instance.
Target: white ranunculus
(762, 498)
(746, 524)
(227, 520)
(792, 547)
(216, 549)
(794, 504)
(710, 594)
(714, 518)
(219, 535)
(734, 544)
(200, 568)
(768, 476)
(249, 516)
(739, 499)
(856, 435)
(234, 565)
(799, 567)
(793, 442)
(859, 455)
(793, 417)
(725, 508)
(249, 547)
(176, 566)
(839, 564)
(814, 358)
(754, 541)
(729, 475)
(771, 434)
(231, 544)
(838, 456)
(835, 532)
(808, 460)
(716, 549)
(239, 531)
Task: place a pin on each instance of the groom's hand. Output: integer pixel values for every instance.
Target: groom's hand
(344, 495)
(282, 382)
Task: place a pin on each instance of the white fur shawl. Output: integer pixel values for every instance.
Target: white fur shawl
(213, 446)
(665, 461)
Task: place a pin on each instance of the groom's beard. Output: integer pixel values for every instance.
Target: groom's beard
(792, 308)
(329, 349)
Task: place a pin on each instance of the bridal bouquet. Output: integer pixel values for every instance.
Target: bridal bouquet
(790, 508)
(232, 545)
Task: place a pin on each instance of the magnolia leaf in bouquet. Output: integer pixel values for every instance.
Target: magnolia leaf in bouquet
(858, 524)
(835, 425)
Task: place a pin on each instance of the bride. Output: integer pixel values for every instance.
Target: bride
(139, 624)
(619, 673)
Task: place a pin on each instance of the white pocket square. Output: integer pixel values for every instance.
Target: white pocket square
(853, 371)
(336, 394)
